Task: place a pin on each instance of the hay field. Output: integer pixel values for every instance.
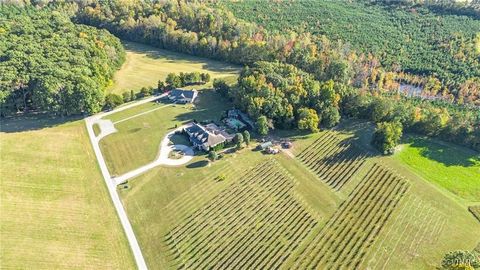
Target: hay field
(55, 209)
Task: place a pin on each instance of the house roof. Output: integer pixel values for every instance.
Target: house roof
(179, 93)
(200, 135)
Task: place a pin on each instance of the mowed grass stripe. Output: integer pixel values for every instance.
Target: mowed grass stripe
(417, 222)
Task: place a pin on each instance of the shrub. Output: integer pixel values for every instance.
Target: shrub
(126, 96)
(238, 140)
(212, 155)
(246, 137)
(112, 101)
(262, 125)
(386, 136)
(460, 259)
(221, 177)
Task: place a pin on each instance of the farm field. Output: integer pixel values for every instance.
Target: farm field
(382, 215)
(145, 65)
(55, 209)
(182, 192)
(141, 129)
(451, 167)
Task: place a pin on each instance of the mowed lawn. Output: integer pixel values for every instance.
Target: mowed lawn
(146, 65)
(138, 138)
(55, 209)
(454, 168)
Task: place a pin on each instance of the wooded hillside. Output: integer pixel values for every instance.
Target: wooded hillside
(413, 37)
(49, 64)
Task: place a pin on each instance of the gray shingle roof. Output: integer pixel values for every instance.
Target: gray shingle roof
(179, 93)
(199, 135)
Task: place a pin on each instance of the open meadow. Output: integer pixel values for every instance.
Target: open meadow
(55, 209)
(146, 65)
(455, 168)
(332, 203)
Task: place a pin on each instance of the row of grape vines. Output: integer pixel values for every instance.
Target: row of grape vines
(255, 223)
(347, 236)
(199, 194)
(475, 210)
(333, 160)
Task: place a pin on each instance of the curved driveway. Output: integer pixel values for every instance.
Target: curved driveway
(162, 159)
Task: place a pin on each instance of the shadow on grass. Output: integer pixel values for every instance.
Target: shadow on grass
(443, 153)
(209, 105)
(180, 139)
(31, 122)
(198, 164)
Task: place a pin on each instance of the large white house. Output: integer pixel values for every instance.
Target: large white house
(206, 137)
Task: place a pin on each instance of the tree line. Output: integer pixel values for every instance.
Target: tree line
(280, 95)
(49, 64)
(291, 80)
(172, 81)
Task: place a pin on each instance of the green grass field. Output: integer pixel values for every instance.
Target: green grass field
(146, 65)
(138, 139)
(349, 207)
(55, 209)
(454, 168)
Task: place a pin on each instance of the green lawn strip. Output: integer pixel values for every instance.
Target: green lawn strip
(96, 129)
(118, 116)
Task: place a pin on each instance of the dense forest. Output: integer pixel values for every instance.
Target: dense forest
(49, 64)
(286, 96)
(404, 35)
(195, 28)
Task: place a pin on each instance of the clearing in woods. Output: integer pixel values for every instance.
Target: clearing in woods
(55, 209)
(145, 66)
